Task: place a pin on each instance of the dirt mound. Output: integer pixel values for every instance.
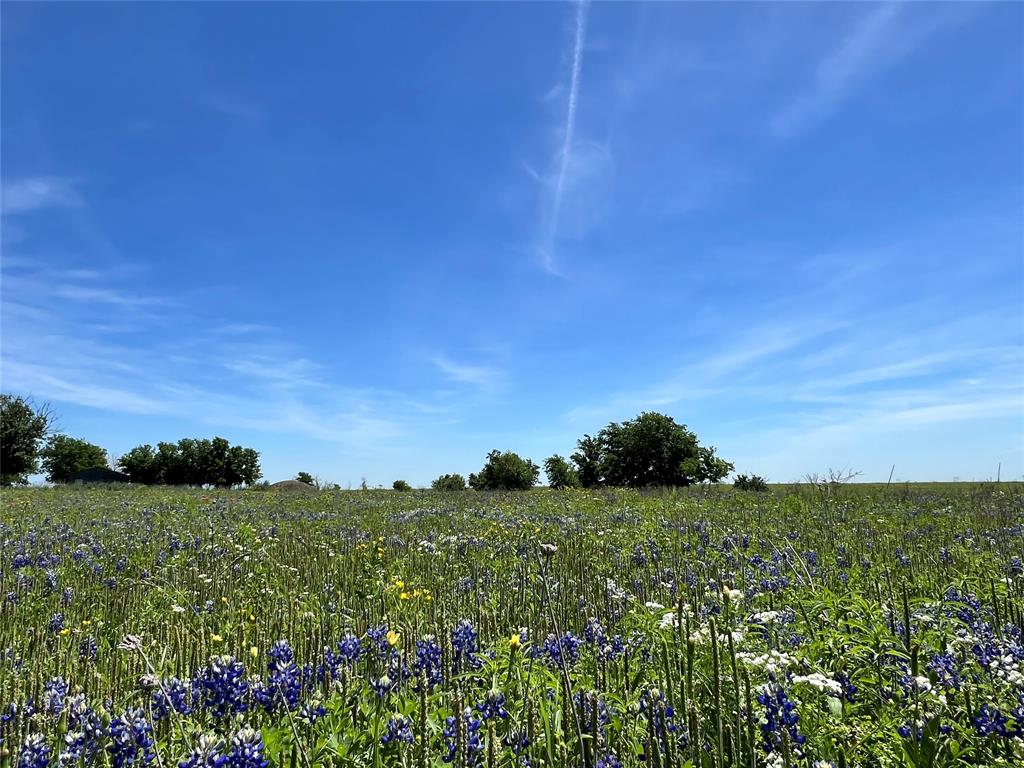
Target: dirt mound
(293, 485)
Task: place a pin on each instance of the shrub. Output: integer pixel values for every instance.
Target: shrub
(305, 477)
(453, 482)
(401, 485)
(506, 471)
(752, 483)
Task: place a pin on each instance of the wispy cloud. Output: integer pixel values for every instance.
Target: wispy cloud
(881, 39)
(239, 375)
(462, 373)
(38, 192)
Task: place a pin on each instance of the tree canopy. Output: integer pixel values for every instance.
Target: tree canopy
(63, 456)
(23, 427)
(506, 471)
(647, 451)
(192, 462)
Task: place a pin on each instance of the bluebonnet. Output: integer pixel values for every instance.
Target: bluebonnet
(594, 632)
(312, 712)
(378, 640)
(221, 687)
(208, 753)
(474, 744)
(559, 650)
(465, 646)
(990, 721)
(87, 649)
(284, 682)
(399, 730)
(131, 740)
(35, 753)
(428, 661)
(172, 696)
(493, 706)
(55, 691)
(609, 761)
(85, 731)
(247, 750)
(383, 685)
(781, 717)
(946, 670)
(56, 623)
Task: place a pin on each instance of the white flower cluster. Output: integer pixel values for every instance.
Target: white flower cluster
(821, 682)
(772, 662)
(765, 617)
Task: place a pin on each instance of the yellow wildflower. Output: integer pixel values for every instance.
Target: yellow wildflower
(392, 637)
(216, 638)
(515, 641)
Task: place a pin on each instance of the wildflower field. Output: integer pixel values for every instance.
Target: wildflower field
(166, 628)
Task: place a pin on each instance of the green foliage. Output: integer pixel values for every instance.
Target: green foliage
(561, 473)
(452, 482)
(651, 450)
(588, 459)
(305, 477)
(192, 462)
(751, 483)
(506, 471)
(63, 456)
(23, 427)
(401, 485)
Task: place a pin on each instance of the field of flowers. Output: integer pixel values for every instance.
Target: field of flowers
(166, 628)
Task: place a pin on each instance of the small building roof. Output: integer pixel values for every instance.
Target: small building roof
(99, 475)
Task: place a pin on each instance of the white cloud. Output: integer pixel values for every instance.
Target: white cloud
(38, 192)
(882, 38)
(462, 373)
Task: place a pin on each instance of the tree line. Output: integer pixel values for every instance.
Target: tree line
(651, 450)
(29, 444)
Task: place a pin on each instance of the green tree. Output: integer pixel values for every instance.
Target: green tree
(452, 482)
(561, 473)
(140, 465)
(243, 466)
(648, 451)
(506, 471)
(401, 485)
(304, 477)
(63, 456)
(193, 462)
(588, 459)
(23, 427)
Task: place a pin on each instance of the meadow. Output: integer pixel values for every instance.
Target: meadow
(166, 627)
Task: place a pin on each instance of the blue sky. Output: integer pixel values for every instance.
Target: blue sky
(380, 240)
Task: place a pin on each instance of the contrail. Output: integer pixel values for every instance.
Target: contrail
(570, 124)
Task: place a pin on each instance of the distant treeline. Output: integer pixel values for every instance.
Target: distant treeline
(192, 462)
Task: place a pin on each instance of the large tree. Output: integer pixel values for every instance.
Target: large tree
(650, 450)
(63, 456)
(561, 474)
(23, 427)
(506, 471)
